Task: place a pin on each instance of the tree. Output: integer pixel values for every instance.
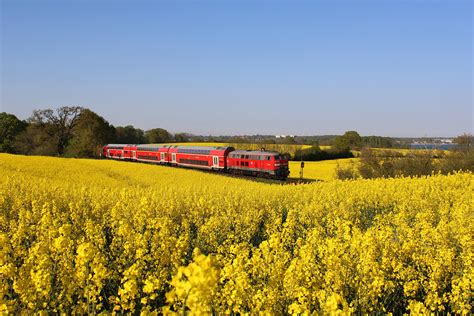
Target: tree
(158, 135)
(10, 128)
(129, 135)
(350, 140)
(57, 125)
(465, 141)
(91, 132)
(182, 137)
(34, 140)
(377, 141)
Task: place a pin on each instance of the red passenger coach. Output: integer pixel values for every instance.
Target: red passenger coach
(147, 153)
(129, 152)
(118, 151)
(199, 157)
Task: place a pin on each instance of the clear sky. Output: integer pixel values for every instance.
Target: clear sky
(391, 68)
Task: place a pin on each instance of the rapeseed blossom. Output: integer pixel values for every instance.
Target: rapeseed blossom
(92, 236)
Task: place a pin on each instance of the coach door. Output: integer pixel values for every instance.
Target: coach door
(162, 156)
(215, 161)
(134, 154)
(173, 158)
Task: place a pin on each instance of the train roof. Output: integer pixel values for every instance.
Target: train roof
(118, 145)
(201, 147)
(199, 150)
(149, 145)
(255, 152)
(171, 146)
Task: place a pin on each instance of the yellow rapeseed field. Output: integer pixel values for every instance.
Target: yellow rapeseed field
(320, 170)
(91, 236)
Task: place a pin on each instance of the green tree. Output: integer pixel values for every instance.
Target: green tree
(91, 132)
(35, 140)
(10, 128)
(58, 125)
(181, 137)
(350, 140)
(129, 135)
(377, 141)
(158, 135)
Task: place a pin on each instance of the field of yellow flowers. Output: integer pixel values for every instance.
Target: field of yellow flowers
(324, 170)
(90, 236)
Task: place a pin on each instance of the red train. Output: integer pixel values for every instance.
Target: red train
(268, 164)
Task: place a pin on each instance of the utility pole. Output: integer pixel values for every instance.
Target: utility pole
(301, 170)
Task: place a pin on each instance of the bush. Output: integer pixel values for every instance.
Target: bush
(346, 172)
(388, 164)
(457, 160)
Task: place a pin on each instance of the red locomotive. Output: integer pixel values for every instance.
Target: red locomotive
(262, 163)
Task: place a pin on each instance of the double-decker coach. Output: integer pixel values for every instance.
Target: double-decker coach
(147, 153)
(118, 151)
(208, 157)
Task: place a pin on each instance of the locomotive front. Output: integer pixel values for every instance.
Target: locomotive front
(282, 170)
(266, 164)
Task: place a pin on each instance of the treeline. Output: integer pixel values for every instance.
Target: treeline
(341, 147)
(71, 131)
(315, 153)
(74, 131)
(319, 140)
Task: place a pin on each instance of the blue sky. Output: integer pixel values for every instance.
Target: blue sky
(391, 68)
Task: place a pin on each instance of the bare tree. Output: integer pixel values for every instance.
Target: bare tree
(57, 125)
(465, 141)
